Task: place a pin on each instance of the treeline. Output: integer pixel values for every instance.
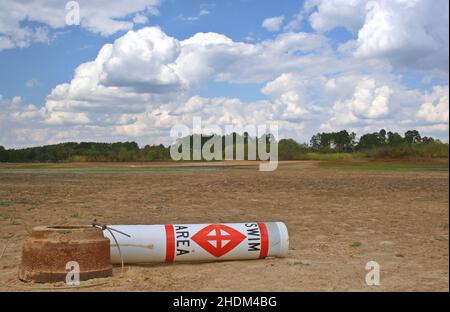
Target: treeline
(86, 151)
(381, 144)
(118, 152)
(343, 141)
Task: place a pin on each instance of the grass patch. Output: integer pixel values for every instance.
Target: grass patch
(388, 166)
(356, 244)
(101, 169)
(334, 156)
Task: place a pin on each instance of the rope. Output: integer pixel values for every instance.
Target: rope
(118, 247)
(110, 230)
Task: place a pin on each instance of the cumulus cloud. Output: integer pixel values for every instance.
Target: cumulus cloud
(273, 23)
(213, 111)
(146, 71)
(101, 16)
(161, 63)
(149, 64)
(408, 34)
(292, 94)
(19, 122)
(370, 100)
(333, 13)
(139, 86)
(369, 103)
(211, 55)
(434, 110)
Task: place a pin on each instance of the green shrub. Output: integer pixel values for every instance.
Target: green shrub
(431, 150)
(288, 149)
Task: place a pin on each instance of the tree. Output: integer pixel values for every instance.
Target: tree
(394, 139)
(428, 140)
(353, 141)
(412, 137)
(342, 141)
(289, 149)
(370, 140)
(315, 142)
(3, 154)
(382, 136)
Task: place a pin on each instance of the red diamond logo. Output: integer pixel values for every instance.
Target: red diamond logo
(218, 239)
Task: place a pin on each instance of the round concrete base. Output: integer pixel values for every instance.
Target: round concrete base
(48, 251)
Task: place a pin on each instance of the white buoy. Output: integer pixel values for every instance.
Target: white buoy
(198, 242)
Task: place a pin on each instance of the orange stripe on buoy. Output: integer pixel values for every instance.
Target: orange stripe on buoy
(264, 240)
(170, 242)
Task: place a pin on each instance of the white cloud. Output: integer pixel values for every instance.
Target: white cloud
(146, 70)
(382, 102)
(295, 22)
(68, 118)
(333, 13)
(214, 56)
(31, 83)
(23, 37)
(367, 101)
(292, 95)
(6, 43)
(273, 23)
(370, 100)
(139, 86)
(213, 111)
(19, 122)
(140, 19)
(204, 12)
(101, 16)
(191, 19)
(149, 64)
(434, 110)
(409, 34)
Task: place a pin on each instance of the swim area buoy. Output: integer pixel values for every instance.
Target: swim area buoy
(198, 242)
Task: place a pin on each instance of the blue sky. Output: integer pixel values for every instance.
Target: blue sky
(309, 66)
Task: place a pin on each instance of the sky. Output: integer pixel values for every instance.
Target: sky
(132, 70)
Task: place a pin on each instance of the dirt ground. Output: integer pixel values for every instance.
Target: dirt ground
(338, 220)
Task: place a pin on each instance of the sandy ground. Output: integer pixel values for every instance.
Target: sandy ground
(338, 220)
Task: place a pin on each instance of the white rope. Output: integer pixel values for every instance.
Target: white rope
(110, 230)
(117, 244)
